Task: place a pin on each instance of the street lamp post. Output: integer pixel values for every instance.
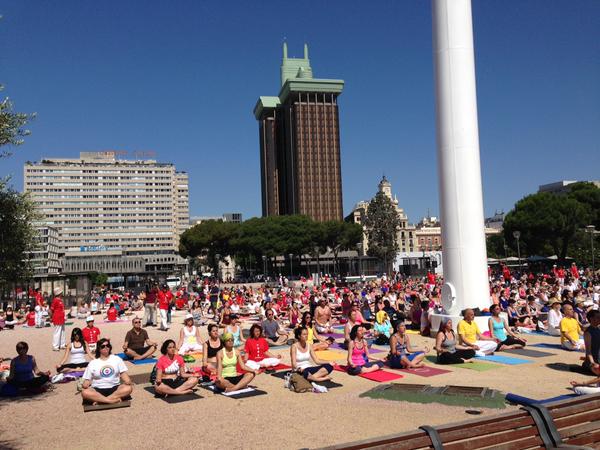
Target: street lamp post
(517, 236)
(592, 229)
(264, 258)
(291, 255)
(359, 247)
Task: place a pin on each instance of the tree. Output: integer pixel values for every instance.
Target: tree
(381, 226)
(18, 235)
(495, 246)
(587, 194)
(98, 278)
(12, 126)
(208, 239)
(547, 222)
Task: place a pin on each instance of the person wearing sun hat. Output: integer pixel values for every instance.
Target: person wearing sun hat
(189, 337)
(91, 333)
(554, 317)
(57, 312)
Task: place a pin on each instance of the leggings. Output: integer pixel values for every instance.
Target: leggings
(312, 370)
(511, 341)
(358, 369)
(72, 366)
(456, 357)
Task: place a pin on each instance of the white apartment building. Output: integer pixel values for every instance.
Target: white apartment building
(103, 206)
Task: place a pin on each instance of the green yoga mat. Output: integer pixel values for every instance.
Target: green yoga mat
(451, 400)
(478, 366)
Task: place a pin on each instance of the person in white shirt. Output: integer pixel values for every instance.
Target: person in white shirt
(105, 379)
(554, 317)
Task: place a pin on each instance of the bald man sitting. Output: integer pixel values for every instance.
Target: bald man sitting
(470, 335)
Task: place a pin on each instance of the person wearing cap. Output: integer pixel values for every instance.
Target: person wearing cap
(137, 344)
(91, 334)
(189, 337)
(228, 358)
(554, 317)
(57, 312)
(570, 330)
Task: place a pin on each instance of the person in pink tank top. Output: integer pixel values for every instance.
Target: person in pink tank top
(358, 353)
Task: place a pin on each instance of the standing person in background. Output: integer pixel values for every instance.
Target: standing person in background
(57, 312)
(39, 307)
(163, 309)
(91, 334)
(150, 307)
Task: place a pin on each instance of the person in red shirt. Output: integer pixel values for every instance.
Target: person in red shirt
(30, 318)
(91, 334)
(57, 312)
(163, 309)
(574, 271)
(111, 313)
(506, 274)
(257, 350)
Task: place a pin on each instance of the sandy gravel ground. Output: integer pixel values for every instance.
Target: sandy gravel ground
(280, 420)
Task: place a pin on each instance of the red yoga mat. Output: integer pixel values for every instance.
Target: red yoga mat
(426, 371)
(379, 375)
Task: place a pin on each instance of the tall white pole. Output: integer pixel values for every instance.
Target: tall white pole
(461, 200)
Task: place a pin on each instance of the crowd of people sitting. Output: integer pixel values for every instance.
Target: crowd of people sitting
(383, 312)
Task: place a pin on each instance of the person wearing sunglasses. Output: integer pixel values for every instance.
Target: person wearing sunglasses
(137, 344)
(105, 379)
(171, 377)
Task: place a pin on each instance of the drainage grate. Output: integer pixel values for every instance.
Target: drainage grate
(467, 391)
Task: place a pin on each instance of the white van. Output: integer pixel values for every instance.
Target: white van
(173, 282)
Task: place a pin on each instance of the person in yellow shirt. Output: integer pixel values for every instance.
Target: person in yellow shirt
(570, 330)
(471, 337)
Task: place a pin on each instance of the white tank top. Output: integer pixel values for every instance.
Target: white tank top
(302, 358)
(190, 336)
(77, 355)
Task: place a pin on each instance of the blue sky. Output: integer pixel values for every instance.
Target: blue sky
(181, 79)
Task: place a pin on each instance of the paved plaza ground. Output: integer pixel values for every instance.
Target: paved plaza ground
(279, 420)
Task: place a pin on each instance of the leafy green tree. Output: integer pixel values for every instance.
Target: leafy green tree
(381, 227)
(587, 194)
(18, 235)
(495, 246)
(208, 239)
(12, 126)
(547, 222)
(98, 278)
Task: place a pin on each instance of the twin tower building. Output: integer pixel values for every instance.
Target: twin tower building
(300, 144)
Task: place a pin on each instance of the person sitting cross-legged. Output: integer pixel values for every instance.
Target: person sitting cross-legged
(272, 330)
(228, 359)
(570, 330)
(301, 352)
(24, 373)
(105, 379)
(171, 377)
(470, 336)
(137, 344)
(257, 350)
(402, 355)
(500, 330)
(358, 353)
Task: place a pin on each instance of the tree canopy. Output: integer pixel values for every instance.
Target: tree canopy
(12, 126)
(268, 236)
(550, 222)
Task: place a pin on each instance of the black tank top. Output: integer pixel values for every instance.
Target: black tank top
(212, 352)
(595, 335)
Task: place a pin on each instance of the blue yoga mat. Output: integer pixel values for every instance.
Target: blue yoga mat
(137, 362)
(504, 359)
(546, 345)
(520, 400)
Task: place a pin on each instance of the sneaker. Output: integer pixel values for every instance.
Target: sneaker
(318, 389)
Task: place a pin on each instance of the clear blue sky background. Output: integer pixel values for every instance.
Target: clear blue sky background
(181, 78)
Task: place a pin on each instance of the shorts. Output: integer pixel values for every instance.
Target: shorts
(234, 380)
(322, 328)
(106, 391)
(173, 383)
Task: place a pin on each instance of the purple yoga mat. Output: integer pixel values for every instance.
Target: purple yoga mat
(333, 335)
(371, 350)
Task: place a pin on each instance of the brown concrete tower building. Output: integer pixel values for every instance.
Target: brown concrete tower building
(300, 144)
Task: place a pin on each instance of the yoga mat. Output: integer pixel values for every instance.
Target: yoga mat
(504, 359)
(242, 393)
(379, 375)
(425, 371)
(333, 335)
(279, 366)
(137, 362)
(69, 323)
(374, 350)
(546, 345)
(528, 352)
(331, 355)
(477, 366)
(413, 332)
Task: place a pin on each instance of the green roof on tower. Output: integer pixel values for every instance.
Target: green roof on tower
(297, 76)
